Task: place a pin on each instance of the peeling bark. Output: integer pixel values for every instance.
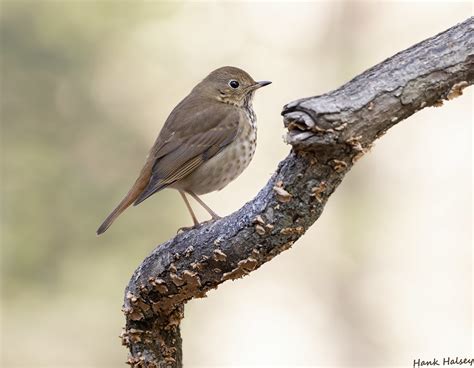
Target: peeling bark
(328, 134)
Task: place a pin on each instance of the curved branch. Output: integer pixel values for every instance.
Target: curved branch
(328, 134)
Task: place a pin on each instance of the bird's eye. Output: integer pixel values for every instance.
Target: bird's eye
(234, 84)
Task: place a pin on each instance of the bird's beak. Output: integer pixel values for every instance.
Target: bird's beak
(260, 84)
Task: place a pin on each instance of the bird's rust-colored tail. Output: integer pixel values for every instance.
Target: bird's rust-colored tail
(137, 189)
(123, 205)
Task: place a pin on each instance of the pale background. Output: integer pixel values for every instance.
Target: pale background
(383, 277)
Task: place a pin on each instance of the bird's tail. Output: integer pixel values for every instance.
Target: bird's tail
(131, 196)
(122, 206)
(137, 189)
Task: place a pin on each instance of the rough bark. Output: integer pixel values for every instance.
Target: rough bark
(328, 134)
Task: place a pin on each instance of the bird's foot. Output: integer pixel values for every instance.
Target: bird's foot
(186, 228)
(198, 225)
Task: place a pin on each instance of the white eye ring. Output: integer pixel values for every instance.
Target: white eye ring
(234, 84)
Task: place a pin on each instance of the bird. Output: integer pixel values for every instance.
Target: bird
(207, 141)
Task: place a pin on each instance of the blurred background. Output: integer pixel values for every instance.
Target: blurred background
(383, 278)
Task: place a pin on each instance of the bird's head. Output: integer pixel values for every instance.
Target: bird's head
(230, 85)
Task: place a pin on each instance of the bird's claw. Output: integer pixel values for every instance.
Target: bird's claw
(197, 226)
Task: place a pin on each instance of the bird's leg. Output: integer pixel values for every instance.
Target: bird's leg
(195, 220)
(214, 215)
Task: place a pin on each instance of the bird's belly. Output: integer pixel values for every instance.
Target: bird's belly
(221, 169)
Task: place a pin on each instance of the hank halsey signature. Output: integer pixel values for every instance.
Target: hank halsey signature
(447, 361)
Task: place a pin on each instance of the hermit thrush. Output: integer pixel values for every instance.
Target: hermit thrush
(207, 141)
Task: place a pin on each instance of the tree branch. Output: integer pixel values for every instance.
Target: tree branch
(328, 134)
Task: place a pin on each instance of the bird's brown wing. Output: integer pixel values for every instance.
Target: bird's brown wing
(187, 147)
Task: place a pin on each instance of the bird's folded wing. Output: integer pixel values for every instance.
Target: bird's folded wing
(181, 148)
